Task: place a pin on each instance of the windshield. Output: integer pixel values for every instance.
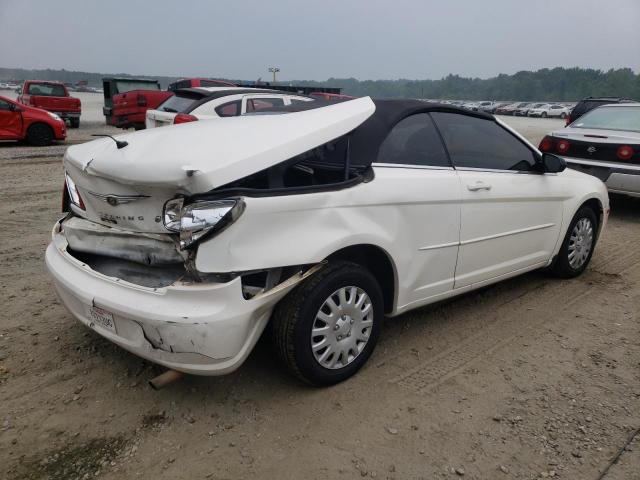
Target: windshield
(123, 86)
(179, 103)
(47, 89)
(611, 118)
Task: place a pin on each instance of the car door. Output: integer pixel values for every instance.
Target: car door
(511, 214)
(10, 120)
(422, 197)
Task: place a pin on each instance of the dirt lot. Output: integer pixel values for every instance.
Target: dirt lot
(530, 378)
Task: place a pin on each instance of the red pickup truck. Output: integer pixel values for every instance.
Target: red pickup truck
(53, 97)
(126, 100)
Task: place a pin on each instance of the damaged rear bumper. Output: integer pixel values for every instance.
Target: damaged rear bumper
(198, 328)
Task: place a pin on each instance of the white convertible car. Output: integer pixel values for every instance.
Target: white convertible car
(182, 243)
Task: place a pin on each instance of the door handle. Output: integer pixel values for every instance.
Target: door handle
(478, 186)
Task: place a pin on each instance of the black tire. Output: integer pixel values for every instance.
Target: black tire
(543, 114)
(562, 267)
(294, 317)
(39, 135)
(563, 115)
(74, 122)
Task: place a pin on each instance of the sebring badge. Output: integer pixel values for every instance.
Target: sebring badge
(115, 200)
(591, 149)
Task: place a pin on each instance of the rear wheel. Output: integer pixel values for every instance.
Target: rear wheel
(543, 114)
(563, 115)
(39, 135)
(74, 122)
(327, 327)
(578, 245)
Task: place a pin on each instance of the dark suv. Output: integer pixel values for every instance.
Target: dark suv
(589, 103)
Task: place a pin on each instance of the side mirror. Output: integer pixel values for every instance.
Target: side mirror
(552, 163)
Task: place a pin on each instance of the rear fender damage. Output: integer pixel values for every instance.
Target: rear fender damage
(179, 337)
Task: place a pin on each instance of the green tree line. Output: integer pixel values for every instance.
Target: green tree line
(559, 84)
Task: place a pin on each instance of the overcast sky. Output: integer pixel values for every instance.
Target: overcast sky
(366, 39)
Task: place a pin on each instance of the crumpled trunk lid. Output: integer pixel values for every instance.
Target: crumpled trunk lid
(127, 187)
(200, 156)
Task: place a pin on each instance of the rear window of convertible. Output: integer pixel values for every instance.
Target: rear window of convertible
(179, 103)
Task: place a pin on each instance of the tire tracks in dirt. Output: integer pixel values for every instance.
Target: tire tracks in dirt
(537, 307)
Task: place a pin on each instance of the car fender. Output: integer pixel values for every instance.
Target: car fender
(586, 187)
(298, 229)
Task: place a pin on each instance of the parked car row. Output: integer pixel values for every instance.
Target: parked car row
(531, 109)
(9, 86)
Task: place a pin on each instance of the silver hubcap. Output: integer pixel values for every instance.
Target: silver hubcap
(580, 243)
(342, 327)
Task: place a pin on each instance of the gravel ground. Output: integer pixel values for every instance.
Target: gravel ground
(530, 378)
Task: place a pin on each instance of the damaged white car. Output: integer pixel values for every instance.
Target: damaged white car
(182, 243)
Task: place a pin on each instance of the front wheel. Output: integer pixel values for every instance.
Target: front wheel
(39, 135)
(74, 122)
(563, 115)
(327, 327)
(578, 245)
(543, 114)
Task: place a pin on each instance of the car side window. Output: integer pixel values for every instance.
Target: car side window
(474, 142)
(229, 109)
(414, 141)
(5, 105)
(254, 104)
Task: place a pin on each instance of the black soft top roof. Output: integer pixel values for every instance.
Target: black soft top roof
(366, 139)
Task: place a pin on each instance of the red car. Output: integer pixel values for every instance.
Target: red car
(36, 126)
(53, 97)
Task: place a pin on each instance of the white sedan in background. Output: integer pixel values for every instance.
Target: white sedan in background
(202, 103)
(181, 245)
(549, 110)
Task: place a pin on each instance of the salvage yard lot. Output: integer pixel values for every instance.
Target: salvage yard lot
(530, 378)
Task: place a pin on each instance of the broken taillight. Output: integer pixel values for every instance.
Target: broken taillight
(74, 194)
(201, 218)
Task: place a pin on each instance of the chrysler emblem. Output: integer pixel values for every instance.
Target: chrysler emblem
(591, 149)
(115, 200)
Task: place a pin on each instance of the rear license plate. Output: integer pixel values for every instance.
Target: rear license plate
(101, 317)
